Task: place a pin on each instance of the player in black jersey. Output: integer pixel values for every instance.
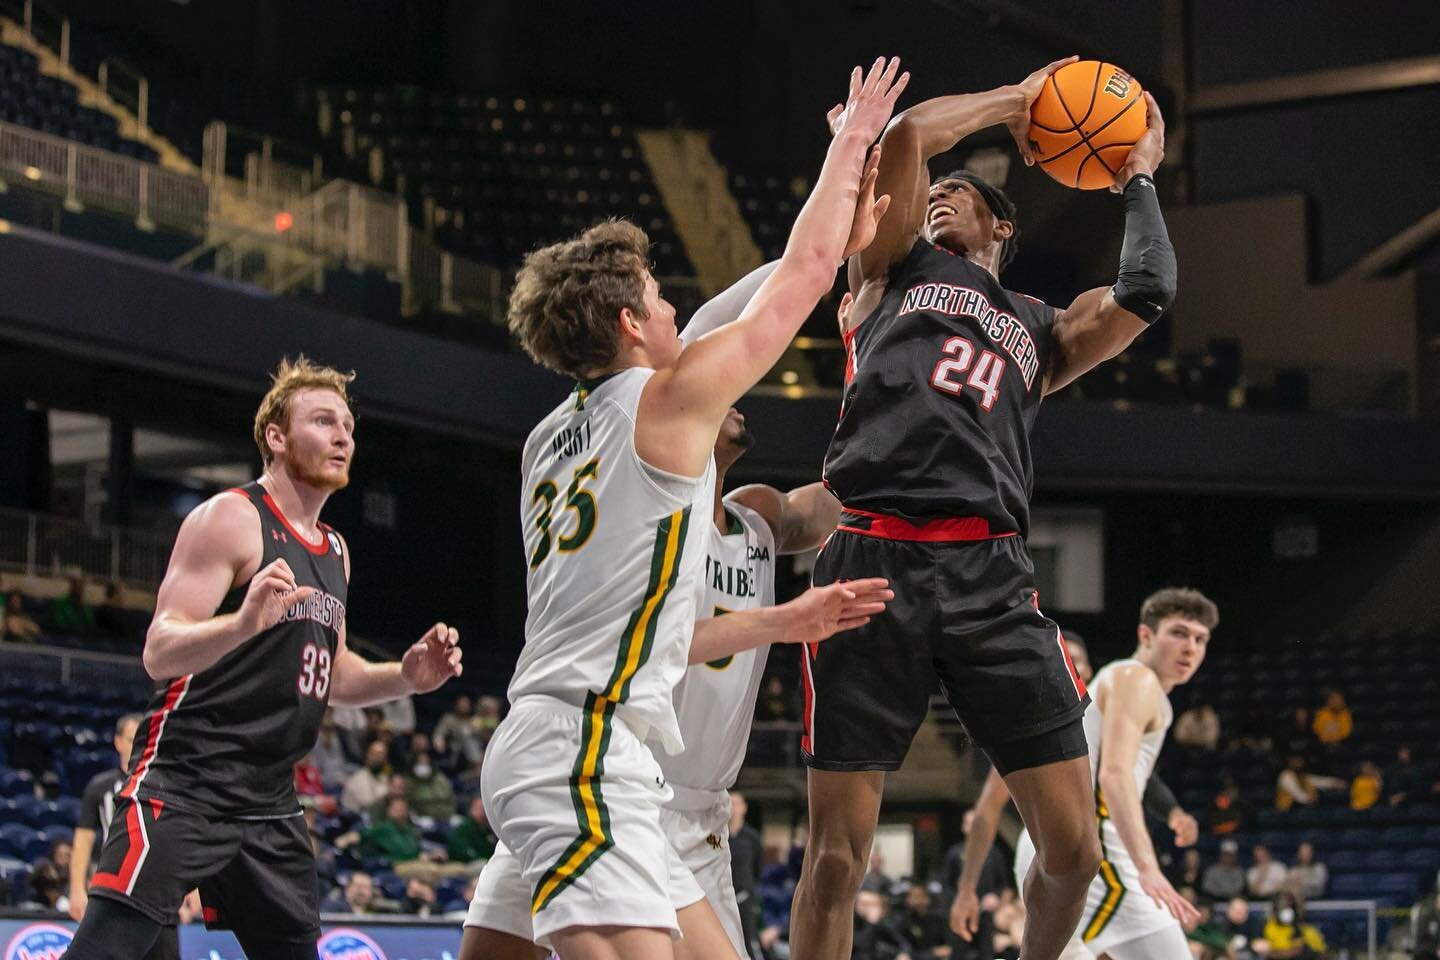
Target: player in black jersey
(945, 373)
(247, 646)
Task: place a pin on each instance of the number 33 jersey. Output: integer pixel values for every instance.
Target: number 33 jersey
(224, 741)
(616, 549)
(943, 381)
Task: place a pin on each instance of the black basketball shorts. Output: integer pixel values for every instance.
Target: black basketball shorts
(966, 616)
(253, 875)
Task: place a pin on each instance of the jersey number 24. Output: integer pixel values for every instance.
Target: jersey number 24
(984, 376)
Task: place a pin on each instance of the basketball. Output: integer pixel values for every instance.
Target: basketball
(1082, 126)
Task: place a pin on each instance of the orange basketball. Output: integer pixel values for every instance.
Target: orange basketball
(1082, 126)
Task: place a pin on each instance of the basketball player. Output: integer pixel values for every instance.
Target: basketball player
(612, 478)
(248, 642)
(1158, 801)
(931, 462)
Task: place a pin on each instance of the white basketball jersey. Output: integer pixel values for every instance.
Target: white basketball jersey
(1150, 743)
(616, 549)
(715, 701)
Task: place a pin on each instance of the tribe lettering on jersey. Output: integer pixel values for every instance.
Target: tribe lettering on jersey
(225, 741)
(943, 383)
(616, 551)
(715, 701)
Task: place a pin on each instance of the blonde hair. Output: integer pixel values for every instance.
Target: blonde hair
(287, 380)
(567, 299)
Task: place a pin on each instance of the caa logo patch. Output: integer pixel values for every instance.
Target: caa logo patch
(344, 944)
(39, 941)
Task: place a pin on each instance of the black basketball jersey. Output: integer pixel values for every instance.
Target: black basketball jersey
(225, 741)
(943, 381)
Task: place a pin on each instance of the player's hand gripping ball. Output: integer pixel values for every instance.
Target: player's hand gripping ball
(1084, 122)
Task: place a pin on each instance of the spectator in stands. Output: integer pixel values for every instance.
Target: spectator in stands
(1309, 878)
(776, 704)
(395, 837)
(1227, 810)
(1198, 728)
(1254, 734)
(472, 841)
(457, 737)
(1009, 919)
(420, 898)
(1225, 878)
(1333, 722)
(70, 614)
(17, 626)
(1287, 935)
(113, 619)
(875, 874)
(367, 785)
(1298, 785)
(1207, 938)
(994, 875)
(1241, 930)
(1266, 876)
(310, 787)
(1299, 738)
(487, 717)
(403, 750)
(429, 790)
(395, 788)
(926, 931)
(329, 755)
(1406, 783)
(1366, 788)
(1427, 929)
(747, 859)
(399, 716)
(874, 938)
(359, 896)
(1189, 871)
(48, 878)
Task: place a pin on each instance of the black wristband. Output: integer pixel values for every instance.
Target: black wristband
(1142, 177)
(1146, 284)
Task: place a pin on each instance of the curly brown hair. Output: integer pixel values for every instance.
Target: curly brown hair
(1179, 602)
(568, 297)
(288, 380)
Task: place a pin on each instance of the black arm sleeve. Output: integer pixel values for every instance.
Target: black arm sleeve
(1146, 284)
(1159, 800)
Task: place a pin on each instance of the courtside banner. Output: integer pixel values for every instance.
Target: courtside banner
(47, 939)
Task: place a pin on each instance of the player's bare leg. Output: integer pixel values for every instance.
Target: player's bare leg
(614, 943)
(1057, 804)
(481, 943)
(702, 937)
(844, 809)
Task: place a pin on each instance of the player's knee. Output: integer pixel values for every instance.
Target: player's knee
(835, 869)
(1075, 858)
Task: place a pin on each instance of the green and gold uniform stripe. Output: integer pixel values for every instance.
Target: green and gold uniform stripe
(585, 778)
(1114, 889)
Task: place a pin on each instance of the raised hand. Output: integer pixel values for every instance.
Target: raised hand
(1019, 122)
(433, 659)
(1148, 152)
(271, 594)
(868, 210)
(871, 100)
(822, 612)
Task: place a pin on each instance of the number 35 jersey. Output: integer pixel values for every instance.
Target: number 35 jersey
(616, 550)
(224, 741)
(943, 382)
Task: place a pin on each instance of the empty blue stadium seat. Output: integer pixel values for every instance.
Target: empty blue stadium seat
(16, 783)
(1353, 885)
(1402, 836)
(1342, 860)
(54, 815)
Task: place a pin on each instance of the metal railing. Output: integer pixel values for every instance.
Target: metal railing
(85, 175)
(40, 545)
(75, 668)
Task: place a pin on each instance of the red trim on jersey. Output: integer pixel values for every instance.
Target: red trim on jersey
(848, 338)
(319, 549)
(1080, 689)
(807, 651)
(124, 881)
(173, 695)
(209, 914)
(156, 805)
(941, 530)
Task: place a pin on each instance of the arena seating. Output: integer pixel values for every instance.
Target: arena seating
(48, 104)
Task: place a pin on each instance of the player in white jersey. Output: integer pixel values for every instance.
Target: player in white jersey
(1132, 912)
(612, 479)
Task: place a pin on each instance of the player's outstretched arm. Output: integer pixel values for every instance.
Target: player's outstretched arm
(1102, 322)
(681, 408)
(218, 544)
(800, 520)
(926, 130)
(817, 614)
(965, 911)
(1129, 708)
